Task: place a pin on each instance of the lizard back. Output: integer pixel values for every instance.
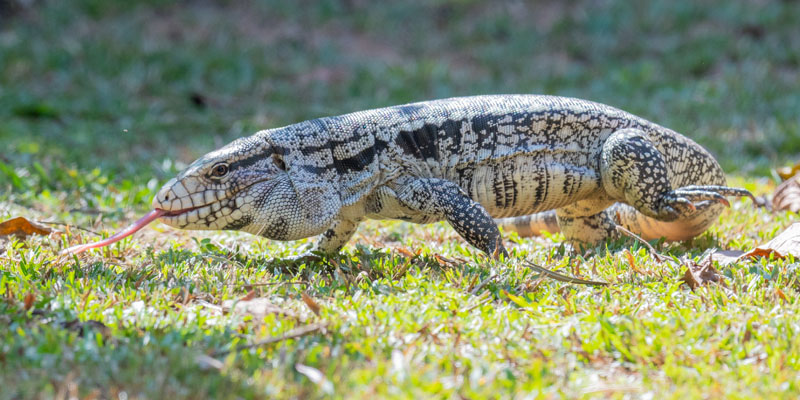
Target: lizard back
(514, 154)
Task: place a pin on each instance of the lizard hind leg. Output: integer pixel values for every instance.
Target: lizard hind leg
(635, 172)
(587, 223)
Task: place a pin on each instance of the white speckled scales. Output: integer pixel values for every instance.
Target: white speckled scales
(465, 160)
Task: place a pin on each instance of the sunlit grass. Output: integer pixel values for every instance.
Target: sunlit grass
(101, 102)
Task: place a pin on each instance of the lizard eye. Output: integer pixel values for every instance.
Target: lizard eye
(219, 170)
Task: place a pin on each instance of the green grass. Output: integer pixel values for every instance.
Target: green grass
(101, 102)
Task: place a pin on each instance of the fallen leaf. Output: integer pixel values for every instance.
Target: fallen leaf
(788, 172)
(699, 274)
(310, 303)
(405, 252)
(787, 195)
(723, 257)
(445, 261)
(22, 228)
(632, 263)
(760, 252)
(257, 307)
(787, 242)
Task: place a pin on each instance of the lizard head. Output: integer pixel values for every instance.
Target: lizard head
(246, 186)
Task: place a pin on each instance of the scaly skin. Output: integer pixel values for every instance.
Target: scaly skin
(465, 160)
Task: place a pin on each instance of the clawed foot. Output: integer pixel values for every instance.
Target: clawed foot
(688, 198)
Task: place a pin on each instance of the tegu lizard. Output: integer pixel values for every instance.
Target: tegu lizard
(528, 162)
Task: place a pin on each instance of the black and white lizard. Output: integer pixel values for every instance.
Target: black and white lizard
(583, 167)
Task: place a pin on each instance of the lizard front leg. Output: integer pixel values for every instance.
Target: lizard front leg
(446, 200)
(332, 240)
(329, 243)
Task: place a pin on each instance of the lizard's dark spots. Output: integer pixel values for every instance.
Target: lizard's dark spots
(246, 162)
(358, 162)
(311, 169)
(420, 143)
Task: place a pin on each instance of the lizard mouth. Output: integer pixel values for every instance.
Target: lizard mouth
(203, 216)
(175, 213)
(185, 217)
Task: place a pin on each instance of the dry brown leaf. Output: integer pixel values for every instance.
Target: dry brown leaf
(788, 172)
(632, 263)
(787, 242)
(257, 307)
(787, 195)
(310, 303)
(22, 228)
(405, 252)
(699, 274)
(760, 252)
(444, 260)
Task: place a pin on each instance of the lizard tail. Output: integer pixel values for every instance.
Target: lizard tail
(684, 228)
(705, 214)
(530, 225)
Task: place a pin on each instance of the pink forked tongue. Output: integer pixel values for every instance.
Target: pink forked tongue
(141, 223)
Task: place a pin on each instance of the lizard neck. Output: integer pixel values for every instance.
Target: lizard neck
(333, 149)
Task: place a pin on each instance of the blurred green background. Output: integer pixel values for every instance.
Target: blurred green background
(125, 93)
(101, 101)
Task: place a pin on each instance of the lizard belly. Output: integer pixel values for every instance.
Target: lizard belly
(527, 185)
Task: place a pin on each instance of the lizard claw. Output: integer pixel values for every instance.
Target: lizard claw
(689, 198)
(720, 192)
